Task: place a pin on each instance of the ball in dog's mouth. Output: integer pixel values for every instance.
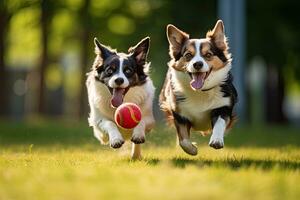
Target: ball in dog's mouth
(117, 96)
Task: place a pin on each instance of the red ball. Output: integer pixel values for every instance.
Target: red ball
(128, 115)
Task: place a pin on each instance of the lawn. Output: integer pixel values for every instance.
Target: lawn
(62, 160)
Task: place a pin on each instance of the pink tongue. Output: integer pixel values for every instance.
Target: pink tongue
(197, 80)
(117, 97)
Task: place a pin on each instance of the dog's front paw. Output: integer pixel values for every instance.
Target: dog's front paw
(116, 143)
(188, 147)
(138, 139)
(217, 143)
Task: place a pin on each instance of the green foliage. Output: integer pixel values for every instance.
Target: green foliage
(24, 38)
(273, 31)
(121, 25)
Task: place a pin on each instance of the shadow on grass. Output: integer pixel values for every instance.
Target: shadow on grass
(231, 163)
(236, 164)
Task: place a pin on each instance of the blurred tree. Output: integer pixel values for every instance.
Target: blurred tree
(4, 21)
(7, 10)
(273, 31)
(85, 40)
(46, 15)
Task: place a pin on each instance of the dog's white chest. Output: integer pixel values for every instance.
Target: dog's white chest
(198, 105)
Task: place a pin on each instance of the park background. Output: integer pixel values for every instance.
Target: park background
(46, 48)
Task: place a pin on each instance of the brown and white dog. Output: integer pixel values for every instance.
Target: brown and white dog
(116, 78)
(198, 93)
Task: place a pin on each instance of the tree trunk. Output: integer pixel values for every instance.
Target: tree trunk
(274, 96)
(85, 38)
(44, 22)
(3, 72)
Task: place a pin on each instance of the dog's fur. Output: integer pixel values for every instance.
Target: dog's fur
(198, 92)
(114, 78)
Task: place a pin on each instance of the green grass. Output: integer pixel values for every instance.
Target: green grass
(62, 160)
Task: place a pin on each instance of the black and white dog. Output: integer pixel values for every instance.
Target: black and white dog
(116, 78)
(198, 92)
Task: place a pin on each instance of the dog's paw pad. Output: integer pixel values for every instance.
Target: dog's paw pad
(138, 139)
(188, 147)
(116, 143)
(216, 143)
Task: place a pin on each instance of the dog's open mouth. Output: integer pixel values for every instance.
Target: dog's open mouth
(198, 79)
(117, 96)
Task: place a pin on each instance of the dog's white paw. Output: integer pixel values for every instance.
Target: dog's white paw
(138, 139)
(188, 147)
(116, 143)
(216, 142)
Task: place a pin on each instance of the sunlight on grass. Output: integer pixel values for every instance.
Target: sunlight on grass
(67, 163)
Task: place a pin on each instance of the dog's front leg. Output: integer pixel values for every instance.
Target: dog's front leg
(183, 127)
(115, 138)
(184, 139)
(217, 138)
(138, 137)
(103, 127)
(219, 122)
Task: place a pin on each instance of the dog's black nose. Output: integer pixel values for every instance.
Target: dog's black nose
(198, 65)
(119, 81)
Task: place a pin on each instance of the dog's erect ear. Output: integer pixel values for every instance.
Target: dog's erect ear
(218, 36)
(176, 39)
(102, 50)
(140, 51)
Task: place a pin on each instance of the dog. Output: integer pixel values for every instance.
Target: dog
(116, 78)
(198, 92)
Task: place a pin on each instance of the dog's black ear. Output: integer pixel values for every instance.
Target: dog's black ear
(102, 50)
(139, 54)
(176, 39)
(217, 35)
(140, 51)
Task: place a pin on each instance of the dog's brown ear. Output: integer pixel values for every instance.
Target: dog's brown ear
(102, 50)
(218, 35)
(140, 51)
(176, 39)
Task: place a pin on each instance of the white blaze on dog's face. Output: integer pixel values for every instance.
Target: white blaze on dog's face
(118, 79)
(198, 57)
(120, 71)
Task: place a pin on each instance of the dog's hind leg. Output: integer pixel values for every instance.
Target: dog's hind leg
(136, 152)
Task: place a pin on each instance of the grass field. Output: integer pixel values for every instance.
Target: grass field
(62, 160)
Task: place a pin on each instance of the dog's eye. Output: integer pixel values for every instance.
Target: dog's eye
(128, 71)
(188, 56)
(208, 55)
(109, 71)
